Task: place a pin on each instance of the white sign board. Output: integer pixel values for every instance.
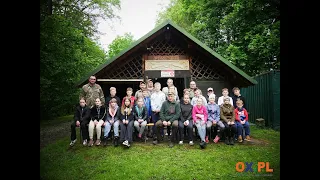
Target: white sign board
(167, 73)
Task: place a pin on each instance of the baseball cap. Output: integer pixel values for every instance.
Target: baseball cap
(210, 89)
(171, 93)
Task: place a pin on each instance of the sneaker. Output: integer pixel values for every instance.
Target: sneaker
(171, 145)
(231, 141)
(202, 144)
(247, 138)
(227, 141)
(98, 141)
(116, 141)
(216, 139)
(104, 141)
(73, 142)
(155, 142)
(128, 145)
(85, 142)
(180, 142)
(240, 139)
(125, 143)
(207, 139)
(191, 143)
(90, 143)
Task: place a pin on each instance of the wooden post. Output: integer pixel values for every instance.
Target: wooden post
(260, 122)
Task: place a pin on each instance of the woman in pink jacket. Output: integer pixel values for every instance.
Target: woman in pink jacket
(200, 116)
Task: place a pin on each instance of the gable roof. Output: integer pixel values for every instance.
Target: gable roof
(153, 31)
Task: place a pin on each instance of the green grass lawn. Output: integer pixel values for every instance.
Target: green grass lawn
(146, 161)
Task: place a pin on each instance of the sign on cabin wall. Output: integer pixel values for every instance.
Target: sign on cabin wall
(167, 73)
(164, 65)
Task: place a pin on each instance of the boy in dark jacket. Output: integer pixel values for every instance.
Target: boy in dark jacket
(81, 119)
(113, 92)
(169, 115)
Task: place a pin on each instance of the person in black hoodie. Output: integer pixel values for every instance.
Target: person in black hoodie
(113, 92)
(81, 119)
(97, 115)
(127, 122)
(186, 119)
(112, 119)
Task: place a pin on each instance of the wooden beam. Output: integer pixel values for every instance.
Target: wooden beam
(112, 80)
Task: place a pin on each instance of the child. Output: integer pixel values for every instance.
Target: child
(129, 95)
(98, 114)
(140, 114)
(242, 121)
(147, 103)
(238, 96)
(81, 119)
(185, 120)
(225, 93)
(112, 119)
(200, 116)
(127, 122)
(227, 115)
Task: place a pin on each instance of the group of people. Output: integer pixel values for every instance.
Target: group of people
(227, 115)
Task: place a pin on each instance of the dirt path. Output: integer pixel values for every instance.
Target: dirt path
(52, 133)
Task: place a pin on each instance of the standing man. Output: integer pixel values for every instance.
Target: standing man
(150, 87)
(193, 87)
(165, 90)
(91, 91)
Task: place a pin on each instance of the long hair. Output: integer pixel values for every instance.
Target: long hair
(123, 107)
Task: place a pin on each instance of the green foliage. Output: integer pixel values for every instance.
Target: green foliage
(119, 43)
(65, 56)
(68, 51)
(246, 32)
(146, 161)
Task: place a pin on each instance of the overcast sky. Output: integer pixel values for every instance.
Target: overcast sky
(137, 17)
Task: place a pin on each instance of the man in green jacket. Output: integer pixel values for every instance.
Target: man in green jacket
(169, 115)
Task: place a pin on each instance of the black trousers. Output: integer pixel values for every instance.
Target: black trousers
(84, 130)
(230, 130)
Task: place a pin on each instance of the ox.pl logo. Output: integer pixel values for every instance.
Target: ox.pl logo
(247, 166)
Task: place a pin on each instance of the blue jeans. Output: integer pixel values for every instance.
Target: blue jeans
(240, 128)
(201, 129)
(107, 128)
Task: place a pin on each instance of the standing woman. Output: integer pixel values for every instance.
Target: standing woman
(127, 122)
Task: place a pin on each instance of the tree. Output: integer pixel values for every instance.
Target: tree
(246, 32)
(68, 50)
(119, 43)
